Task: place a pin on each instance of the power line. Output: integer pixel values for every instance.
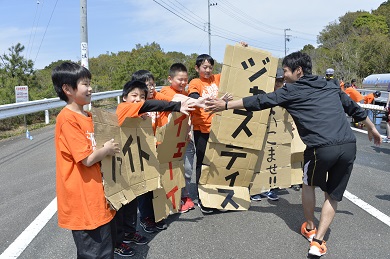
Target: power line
(45, 30)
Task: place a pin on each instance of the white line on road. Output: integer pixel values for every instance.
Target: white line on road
(25, 238)
(367, 207)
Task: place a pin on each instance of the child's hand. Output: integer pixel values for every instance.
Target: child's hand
(227, 97)
(244, 44)
(187, 106)
(111, 147)
(200, 102)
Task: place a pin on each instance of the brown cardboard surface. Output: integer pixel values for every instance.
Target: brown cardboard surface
(296, 173)
(231, 165)
(233, 130)
(167, 199)
(269, 179)
(133, 171)
(224, 197)
(245, 69)
(173, 137)
(273, 156)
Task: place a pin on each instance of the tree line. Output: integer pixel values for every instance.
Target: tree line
(356, 45)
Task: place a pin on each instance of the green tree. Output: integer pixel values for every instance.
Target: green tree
(15, 70)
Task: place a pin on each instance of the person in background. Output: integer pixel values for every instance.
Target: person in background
(353, 84)
(330, 151)
(387, 107)
(342, 84)
(353, 93)
(81, 202)
(369, 98)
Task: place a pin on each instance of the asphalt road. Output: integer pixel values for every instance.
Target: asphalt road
(267, 230)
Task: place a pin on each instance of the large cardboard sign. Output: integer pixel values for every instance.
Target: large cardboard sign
(173, 144)
(228, 165)
(167, 199)
(224, 197)
(246, 71)
(134, 171)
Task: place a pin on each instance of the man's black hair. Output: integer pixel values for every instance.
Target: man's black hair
(175, 68)
(298, 59)
(202, 58)
(68, 73)
(131, 85)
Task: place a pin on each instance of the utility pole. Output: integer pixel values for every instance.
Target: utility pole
(209, 30)
(286, 38)
(84, 33)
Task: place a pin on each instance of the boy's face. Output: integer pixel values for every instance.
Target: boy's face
(179, 81)
(291, 77)
(152, 88)
(82, 94)
(205, 70)
(135, 96)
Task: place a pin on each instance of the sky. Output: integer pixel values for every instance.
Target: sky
(50, 29)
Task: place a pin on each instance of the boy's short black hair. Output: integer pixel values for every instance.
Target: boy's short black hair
(142, 75)
(298, 59)
(353, 81)
(68, 73)
(175, 68)
(202, 58)
(133, 84)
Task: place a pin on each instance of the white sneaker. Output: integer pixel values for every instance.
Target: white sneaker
(385, 140)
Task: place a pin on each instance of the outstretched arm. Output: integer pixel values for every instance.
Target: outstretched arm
(372, 132)
(110, 148)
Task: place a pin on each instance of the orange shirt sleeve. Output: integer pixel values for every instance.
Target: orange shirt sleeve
(125, 110)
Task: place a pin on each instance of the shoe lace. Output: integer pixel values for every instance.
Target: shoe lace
(137, 237)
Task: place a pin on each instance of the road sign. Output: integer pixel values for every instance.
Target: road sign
(21, 93)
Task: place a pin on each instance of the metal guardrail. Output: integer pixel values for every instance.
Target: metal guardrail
(16, 109)
(22, 108)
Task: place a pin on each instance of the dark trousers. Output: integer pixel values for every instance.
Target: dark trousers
(126, 221)
(97, 243)
(145, 205)
(200, 140)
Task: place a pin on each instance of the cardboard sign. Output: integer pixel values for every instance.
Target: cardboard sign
(167, 199)
(224, 197)
(134, 171)
(173, 138)
(246, 71)
(240, 128)
(228, 165)
(278, 177)
(296, 173)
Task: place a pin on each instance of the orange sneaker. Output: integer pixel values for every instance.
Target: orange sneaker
(317, 249)
(308, 234)
(189, 203)
(184, 206)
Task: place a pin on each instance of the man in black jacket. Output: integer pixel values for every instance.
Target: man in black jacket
(318, 108)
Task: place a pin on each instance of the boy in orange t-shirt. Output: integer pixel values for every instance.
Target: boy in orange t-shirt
(178, 78)
(206, 86)
(82, 206)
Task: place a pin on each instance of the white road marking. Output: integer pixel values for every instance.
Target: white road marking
(367, 207)
(25, 238)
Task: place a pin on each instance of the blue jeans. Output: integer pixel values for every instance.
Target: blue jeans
(188, 168)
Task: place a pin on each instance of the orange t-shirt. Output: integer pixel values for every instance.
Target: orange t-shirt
(125, 110)
(205, 88)
(369, 98)
(169, 93)
(80, 196)
(354, 94)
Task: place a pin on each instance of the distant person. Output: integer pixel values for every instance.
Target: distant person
(353, 93)
(387, 138)
(330, 150)
(329, 75)
(353, 84)
(82, 205)
(369, 98)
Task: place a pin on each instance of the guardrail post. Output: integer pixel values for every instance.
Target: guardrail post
(47, 119)
(118, 99)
